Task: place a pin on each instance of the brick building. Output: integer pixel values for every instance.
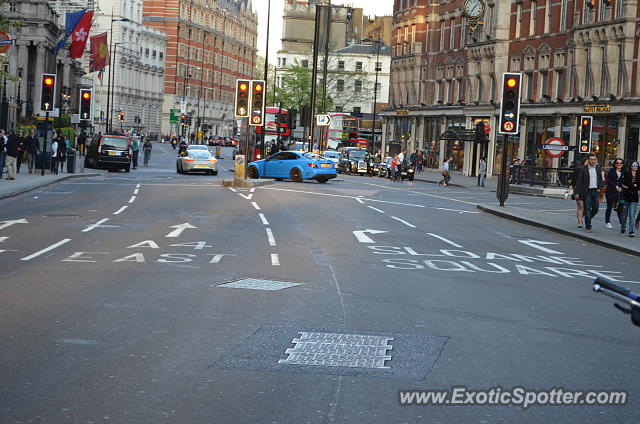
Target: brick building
(210, 45)
(577, 57)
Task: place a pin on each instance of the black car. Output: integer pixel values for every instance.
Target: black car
(354, 160)
(111, 152)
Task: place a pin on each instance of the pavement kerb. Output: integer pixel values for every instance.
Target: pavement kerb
(436, 182)
(23, 190)
(558, 230)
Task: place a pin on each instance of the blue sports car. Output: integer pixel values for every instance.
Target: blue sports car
(297, 166)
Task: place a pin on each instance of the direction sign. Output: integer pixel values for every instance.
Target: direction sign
(323, 120)
(555, 147)
(5, 42)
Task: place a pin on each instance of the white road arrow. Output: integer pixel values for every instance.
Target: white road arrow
(6, 224)
(248, 197)
(179, 229)
(363, 238)
(535, 243)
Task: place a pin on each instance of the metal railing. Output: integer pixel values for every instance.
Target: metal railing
(539, 176)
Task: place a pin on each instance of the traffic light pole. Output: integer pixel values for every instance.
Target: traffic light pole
(44, 147)
(503, 182)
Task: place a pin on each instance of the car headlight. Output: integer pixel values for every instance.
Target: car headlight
(410, 170)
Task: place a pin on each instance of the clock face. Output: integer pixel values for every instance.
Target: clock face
(473, 8)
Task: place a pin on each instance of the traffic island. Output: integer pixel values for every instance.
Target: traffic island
(248, 183)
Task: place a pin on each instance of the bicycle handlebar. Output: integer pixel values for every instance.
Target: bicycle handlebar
(621, 294)
(610, 285)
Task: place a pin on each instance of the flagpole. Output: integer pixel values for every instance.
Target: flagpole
(109, 79)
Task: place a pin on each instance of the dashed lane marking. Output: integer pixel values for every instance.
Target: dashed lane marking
(424, 194)
(343, 196)
(263, 219)
(96, 225)
(119, 211)
(376, 209)
(133, 199)
(255, 205)
(275, 260)
(272, 240)
(408, 224)
(445, 240)
(232, 189)
(136, 191)
(137, 185)
(45, 250)
(359, 200)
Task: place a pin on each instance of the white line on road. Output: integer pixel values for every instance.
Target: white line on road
(248, 197)
(3, 239)
(138, 186)
(454, 210)
(253, 189)
(136, 191)
(272, 240)
(359, 200)
(275, 261)
(404, 222)
(535, 243)
(376, 209)
(424, 194)
(45, 250)
(445, 240)
(232, 189)
(133, 199)
(255, 205)
(179, 229)
(343, 196)
(263, 218)
(119, 211)
(362, 236)
(96, 225)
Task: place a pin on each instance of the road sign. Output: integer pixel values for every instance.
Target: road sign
(5, 42)
(323, 120)
(555, 147)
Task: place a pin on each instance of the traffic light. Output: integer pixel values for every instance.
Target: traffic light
(256, 117)
(121, 117)
(47, 93)
(85, 104)
(293, 115)
(242, 98)
(510, 106)
(183, 119)
(586, 124)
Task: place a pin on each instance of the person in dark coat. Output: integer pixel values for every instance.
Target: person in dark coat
(631, 186)
(22, 147)
(62, 151)
(12, 155)
(614, 190)
(588, 185)
(31, 146)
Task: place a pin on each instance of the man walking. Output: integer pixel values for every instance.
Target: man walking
(446, 175)
(588, 185)
(135, 146)
(21, 150)
(31, 145)
(3, 151)
(12, 155)
(482, 172)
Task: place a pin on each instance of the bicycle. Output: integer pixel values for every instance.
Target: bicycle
(147, 156)
(621, 294)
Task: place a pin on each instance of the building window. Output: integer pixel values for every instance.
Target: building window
(563, 15)
(161, 55)
(544, 77)
(586, 13)
(547, 17)
(604, 10)
(378, 66)
(339, 109)
(619, 9)
(305, 63)
(340, 86)
(358, 66)
(452, 34)
(533, 18)
(358, 86)
(560, 76)
(519, 20)
(357, 109)
(341, 64)
(529, 85)
(284, 61)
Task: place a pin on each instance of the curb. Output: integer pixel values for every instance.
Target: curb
(436, 182)
(562, 231)
(28, 189)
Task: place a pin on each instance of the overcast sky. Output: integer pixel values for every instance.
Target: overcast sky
(371, 7)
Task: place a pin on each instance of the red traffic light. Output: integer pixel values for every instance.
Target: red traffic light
(48, 81)
(585, 122)
(243, 86)
(86, 95)
(511, 82)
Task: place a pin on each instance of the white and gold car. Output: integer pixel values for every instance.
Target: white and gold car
(199, 160)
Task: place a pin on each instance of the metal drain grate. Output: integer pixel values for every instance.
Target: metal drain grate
(257, 284)
(339, 350)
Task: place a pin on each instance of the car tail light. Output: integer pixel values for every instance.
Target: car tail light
(213, 161)
(312, 165)
(99, 148)
(188, 160)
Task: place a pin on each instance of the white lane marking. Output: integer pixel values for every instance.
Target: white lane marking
(179, 229)
(445, 240)
(263, 218)
(136, 191)
(344, 196)
(253, 189)
(408, 224)
(359, 200)
(376, 209)
(534, 243)
(232, 189)
(133, 199)
(119, 211)
(255, 205)
(272, 240)
(96, 225)
(45, 250)
(138, 186)
(248, 197)
(455, 210)
(424, 194)
(363, 238)
(12, 222)
(2, 239)
(275, 260)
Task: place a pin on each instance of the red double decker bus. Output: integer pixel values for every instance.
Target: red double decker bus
(273, 116)
(343, 131)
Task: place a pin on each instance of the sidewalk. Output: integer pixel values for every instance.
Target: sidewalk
(431, 175)
(26, 182)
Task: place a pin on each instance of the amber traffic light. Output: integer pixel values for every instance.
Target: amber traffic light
(47, 92)
(510, 105)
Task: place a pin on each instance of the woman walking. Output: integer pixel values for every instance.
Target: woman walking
(631, 186)
(615, 178)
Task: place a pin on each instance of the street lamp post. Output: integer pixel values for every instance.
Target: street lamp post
(108, 128)
(378, 42)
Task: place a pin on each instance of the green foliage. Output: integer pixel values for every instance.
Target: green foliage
(5, 24)
(296, 89)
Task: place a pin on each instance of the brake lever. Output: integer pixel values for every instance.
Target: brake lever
(623, 309)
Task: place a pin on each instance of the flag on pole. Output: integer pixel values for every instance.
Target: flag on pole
(99, 52)
(71, 22)
(80, 35)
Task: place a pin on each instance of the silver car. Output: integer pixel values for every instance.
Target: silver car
(197, 160)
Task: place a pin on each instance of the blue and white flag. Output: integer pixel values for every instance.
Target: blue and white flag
(71, 22)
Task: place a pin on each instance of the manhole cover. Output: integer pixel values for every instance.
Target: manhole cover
(337, 352)
(62, 216)
(257, 284)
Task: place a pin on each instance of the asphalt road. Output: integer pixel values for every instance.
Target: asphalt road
(113, 307)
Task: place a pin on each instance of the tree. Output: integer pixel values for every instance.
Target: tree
(259, 74)
(5, 24)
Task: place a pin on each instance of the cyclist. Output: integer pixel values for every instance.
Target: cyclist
(182, 148)
(146, 147)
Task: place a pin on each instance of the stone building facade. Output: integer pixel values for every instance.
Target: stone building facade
(577, 57)
(210, 45)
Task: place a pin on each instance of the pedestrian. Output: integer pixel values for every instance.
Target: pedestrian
(614, 194)
(401, 156)
(588, 185)
(62, 150)
(414, 160)
(135, 145)
(394, 168)
(446, 172)
(514, 171)
(482, 171)
(3, 151)
(12, 155)
(31, 146)
(631, 185)
(82, 143)
(54, 155)
(420, 161)
(21, 150)
(146, 147)
(571, 189)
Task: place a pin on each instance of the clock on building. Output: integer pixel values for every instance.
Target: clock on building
(473, 9)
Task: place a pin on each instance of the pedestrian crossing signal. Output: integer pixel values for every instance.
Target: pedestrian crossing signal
(586, 125)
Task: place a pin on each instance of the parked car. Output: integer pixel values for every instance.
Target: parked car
(333, 156)
(354, 160)
(297, 166)
(197, 160)
(111, 152)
